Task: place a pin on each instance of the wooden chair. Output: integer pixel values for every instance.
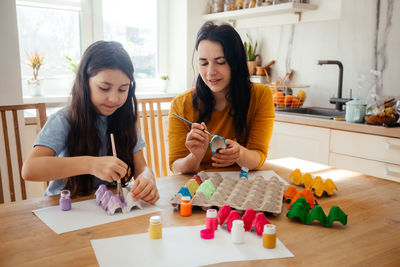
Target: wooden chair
(41, 120)
(151, 114)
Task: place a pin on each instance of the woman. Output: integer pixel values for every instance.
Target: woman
(225, 103)
(73, 150)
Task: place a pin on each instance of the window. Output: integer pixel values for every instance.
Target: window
(53, 32)
(60, 28)
(136, 29)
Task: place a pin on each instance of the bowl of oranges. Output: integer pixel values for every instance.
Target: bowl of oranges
(288, 97)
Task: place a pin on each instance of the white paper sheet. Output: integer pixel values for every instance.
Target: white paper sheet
(85, 214)
(252, 175)
(182, 246)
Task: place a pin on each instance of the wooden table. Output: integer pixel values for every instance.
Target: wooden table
(371, 237)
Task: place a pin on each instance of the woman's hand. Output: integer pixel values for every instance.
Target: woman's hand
(228, 156)
(197, 140)
(145, 188)
(108, 168)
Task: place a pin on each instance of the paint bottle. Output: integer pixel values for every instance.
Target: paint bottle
(186, 206)
(237, 232)
(244, 172)
(269, 236)
(65, 200)
(212, 220)
(155, 227)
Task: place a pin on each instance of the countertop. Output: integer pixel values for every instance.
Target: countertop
(338, 125)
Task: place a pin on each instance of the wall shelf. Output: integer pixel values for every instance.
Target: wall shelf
(271, 10)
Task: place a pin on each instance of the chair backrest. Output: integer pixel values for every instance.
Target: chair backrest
(41, 120)
(151, 114)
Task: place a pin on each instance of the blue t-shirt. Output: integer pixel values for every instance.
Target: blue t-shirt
(54, 135)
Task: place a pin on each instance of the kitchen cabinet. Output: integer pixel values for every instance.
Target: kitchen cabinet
(370, 154)
(300, 141)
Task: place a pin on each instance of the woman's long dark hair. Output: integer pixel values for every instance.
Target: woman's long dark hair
(83, 138)
(239, 86)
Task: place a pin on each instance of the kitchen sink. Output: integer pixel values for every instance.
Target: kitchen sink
(323, 113)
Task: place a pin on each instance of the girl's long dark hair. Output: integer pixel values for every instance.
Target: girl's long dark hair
(239, 86)
(83, 138)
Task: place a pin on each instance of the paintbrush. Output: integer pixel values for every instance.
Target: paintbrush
(114, 151)
(207, 132)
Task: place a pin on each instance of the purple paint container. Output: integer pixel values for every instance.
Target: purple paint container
(65, 200)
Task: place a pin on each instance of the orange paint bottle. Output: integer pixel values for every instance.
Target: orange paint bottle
(186, 206)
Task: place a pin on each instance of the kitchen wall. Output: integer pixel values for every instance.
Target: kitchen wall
(364, 36)
(10, 74)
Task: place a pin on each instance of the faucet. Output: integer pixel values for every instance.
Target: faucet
(338, 101)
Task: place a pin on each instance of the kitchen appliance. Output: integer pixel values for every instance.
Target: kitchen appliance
(355, 110)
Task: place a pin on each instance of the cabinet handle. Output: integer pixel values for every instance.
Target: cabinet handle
(391, 172)
(390, 145)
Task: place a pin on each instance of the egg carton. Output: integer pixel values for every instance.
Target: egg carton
(260, 193)
(113, 203)
(316, 184)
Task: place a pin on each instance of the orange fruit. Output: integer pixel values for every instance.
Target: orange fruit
(288, 100)
(278, 98)
(295, 102)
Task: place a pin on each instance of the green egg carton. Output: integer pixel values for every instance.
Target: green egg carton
(301, 210)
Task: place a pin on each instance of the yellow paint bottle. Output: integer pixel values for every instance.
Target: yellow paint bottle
(269, 236)
(155, 227)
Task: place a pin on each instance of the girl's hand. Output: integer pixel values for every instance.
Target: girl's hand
(108, 168)
(228, 156)
(197, 140)
(145, 188)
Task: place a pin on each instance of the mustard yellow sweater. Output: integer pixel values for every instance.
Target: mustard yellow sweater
(260, 120)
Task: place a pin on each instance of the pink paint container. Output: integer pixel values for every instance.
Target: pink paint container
(212, 220)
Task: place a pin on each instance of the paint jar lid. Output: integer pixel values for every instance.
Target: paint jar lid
(237, 223)
(65, 194)
(212, 213)
(185, 199)
(207, 234)
(269, 229)
(245, 169)
(155, 219)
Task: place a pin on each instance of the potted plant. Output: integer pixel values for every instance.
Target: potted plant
(72, 65)
(35, 61)
(164, 82)
(251, 49)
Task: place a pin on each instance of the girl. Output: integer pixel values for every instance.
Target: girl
(225, 100)
(75, 142)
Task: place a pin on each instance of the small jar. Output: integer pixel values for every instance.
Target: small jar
(186, 206)
(269, 236)
(155, 227)
(237, 232)
(218, 6)
(211, 219)
(65, 200)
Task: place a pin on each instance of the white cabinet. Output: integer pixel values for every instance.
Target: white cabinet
(369, 154)
(300, 141)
